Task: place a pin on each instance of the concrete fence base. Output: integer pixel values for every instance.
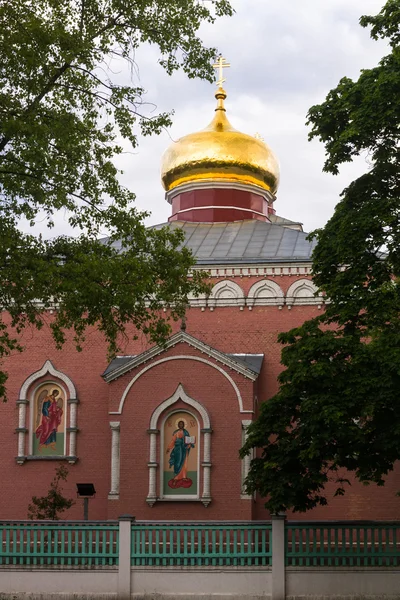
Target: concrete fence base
(149, 583)
(124, 582)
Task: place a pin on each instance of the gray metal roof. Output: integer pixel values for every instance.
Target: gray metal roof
(117, 362)
(286, 222)
(253, 361)
(249, 361)
(245, 242)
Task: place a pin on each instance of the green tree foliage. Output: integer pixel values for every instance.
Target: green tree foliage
(50, 506)
(63, 115)
(338, 409)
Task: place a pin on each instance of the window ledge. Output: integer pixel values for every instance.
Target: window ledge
(71, 459)
(152, 501)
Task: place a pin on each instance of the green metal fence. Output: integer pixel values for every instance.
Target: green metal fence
(90, 544)
(201, 544)
(335, 544)
(40, 543)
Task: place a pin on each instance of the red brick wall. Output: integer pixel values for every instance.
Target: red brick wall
(228, 329)
(210, 388)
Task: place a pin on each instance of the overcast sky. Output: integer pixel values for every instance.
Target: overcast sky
(285, 56)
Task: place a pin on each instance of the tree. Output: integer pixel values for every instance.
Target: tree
(63, 114)
(50, 506)
(337, 409)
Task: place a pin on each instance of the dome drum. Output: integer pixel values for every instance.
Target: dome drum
(219, 204)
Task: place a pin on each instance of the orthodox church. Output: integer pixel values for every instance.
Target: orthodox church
(157, 431)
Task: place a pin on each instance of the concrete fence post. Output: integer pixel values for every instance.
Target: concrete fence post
(124, 564)
(278, 557)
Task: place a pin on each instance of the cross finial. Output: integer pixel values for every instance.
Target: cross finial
(221, 64)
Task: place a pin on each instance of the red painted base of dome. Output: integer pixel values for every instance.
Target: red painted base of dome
(219, 204)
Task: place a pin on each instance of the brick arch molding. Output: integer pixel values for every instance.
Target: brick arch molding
(294, 296)
(181, 357)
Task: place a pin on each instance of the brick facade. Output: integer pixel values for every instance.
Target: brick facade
(228, 329)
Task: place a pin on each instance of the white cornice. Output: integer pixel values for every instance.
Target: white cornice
(290, 269)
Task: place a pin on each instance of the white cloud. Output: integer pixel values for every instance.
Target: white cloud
(285, 56)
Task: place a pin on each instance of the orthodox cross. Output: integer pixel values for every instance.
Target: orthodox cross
(221, 64)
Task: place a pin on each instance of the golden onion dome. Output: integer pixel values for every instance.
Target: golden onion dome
(220, 153)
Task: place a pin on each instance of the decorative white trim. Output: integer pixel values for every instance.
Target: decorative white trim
(115, 460)
(199, 301)
(265, 293)
(47, 369)
(245, 463)
(153, 445)
(203, 467)
(152, 495)
(222, 184)
(73, 410)
(152, 464)
(177, 338)
(291, 269)
(180, 394)
(207, 468)
(250, 210)
(226, 293)
(180, 357)
(303, 292)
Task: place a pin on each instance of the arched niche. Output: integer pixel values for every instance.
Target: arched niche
(165, 410)
(226, 293)
(265, 293)
(48, 377)
(303, 291)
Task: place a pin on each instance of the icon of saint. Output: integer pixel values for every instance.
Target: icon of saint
(179, 449)
(51, 415)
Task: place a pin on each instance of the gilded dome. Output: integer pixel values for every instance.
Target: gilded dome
(220, 153)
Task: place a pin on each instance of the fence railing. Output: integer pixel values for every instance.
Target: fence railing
(41, 543)
(201, 544)
(92, 544)
(335, 544)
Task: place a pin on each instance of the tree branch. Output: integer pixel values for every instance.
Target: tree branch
(58, 73)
